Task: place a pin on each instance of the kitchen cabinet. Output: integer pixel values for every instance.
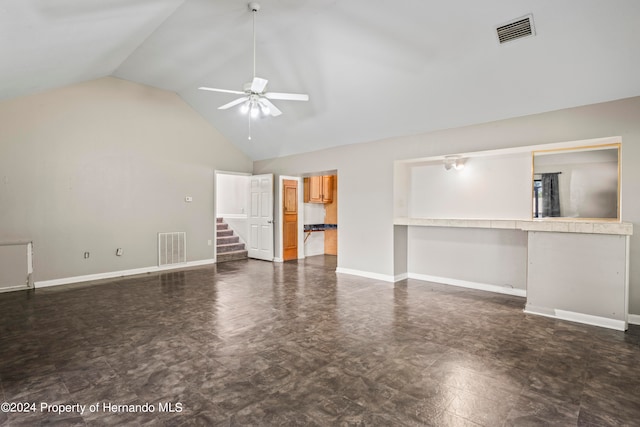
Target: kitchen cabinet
(318, 189)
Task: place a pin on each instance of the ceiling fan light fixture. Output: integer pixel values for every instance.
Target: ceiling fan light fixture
(254, 111)
(255, 99)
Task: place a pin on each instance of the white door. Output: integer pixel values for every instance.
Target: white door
(261, 217)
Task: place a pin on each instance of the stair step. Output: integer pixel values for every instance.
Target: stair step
(225, 240)
(218, 220)
(222, 226)
(224, 233)
(231, 256)
(230, 247)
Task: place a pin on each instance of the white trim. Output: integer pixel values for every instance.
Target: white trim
(572, 316)
(367, 274)
(634, 319)
(627, 263)
(278, 259)
(122, 273)
(241, 216)
(14, 288)
(470, 285)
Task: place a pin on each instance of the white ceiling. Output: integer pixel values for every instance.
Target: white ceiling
(372, 69)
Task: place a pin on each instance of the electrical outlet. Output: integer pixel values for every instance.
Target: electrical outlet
(86, 255)
(119, 252)
(209, 242)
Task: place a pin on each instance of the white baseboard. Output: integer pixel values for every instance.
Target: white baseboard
(367, 274)
(572, 316)
(634, 319)
(14, 288)
(122, 273)
(470, 285)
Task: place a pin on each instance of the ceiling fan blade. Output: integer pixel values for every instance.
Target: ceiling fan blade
(233, 103)
(213, 89)
(287, 96)
(273, 110)
(258, 85)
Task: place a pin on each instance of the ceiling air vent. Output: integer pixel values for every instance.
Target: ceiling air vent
(516, 29)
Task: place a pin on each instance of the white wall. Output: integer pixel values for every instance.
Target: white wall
(487, 187)
(232, 194)
(366, 235)
(314, 213)
(314, 242)
(107, 164)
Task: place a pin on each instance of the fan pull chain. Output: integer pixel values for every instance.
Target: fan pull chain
(249, 115)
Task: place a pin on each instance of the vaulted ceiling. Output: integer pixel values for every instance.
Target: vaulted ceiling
(372, 69)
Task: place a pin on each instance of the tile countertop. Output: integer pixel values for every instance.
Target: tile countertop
(320, 227)
(558, 226)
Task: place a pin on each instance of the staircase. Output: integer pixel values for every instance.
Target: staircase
(228, 246)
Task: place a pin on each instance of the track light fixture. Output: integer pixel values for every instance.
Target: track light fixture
(455, 162)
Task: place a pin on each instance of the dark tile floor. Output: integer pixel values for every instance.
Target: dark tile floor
(256, 343)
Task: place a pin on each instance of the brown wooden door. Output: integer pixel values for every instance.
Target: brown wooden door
(290, 220)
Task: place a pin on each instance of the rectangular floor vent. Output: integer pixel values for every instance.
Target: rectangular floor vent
(172, 248)
(516, 29)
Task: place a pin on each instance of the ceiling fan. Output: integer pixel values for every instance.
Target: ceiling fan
(254, 99)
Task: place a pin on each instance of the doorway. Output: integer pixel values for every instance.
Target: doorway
(321, 214)
(317, 220)
(244, 203)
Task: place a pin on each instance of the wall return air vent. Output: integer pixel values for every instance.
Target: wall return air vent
(516, 29)
(172, 248)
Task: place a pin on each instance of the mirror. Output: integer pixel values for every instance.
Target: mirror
(581, 182)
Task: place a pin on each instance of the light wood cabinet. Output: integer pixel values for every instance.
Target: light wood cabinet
(318, 189)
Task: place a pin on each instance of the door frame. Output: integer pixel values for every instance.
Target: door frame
(279, 257)
(217, 172)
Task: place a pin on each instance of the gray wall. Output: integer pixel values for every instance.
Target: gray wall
(13, 266)
(485, 256)
(366, 235)
(107, 164)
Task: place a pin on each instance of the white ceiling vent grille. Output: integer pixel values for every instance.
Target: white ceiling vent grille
(516, 29)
